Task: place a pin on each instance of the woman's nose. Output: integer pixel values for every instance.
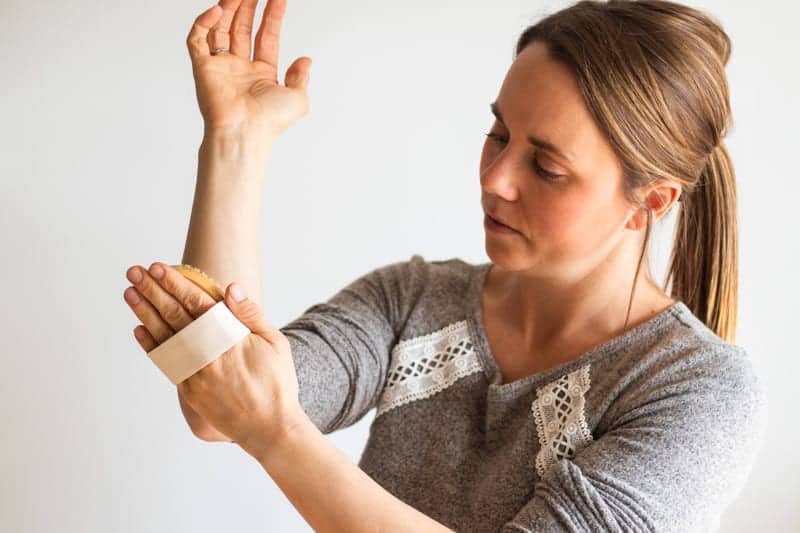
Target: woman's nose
(499, 177)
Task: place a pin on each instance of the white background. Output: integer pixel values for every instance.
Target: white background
(99, 136)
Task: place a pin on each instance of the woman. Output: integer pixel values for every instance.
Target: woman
(556, 388)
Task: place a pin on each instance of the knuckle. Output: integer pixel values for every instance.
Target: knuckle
(195, 302)
(195, 42)
(251, 314)
(212, 371)
(243, 29)
(172, 314)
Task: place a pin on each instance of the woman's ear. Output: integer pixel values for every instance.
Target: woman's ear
(662, 197)
(659, 198)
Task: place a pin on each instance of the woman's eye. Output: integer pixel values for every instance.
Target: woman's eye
(496, 138)
(536, 166)
(493, 135)
(544, 173)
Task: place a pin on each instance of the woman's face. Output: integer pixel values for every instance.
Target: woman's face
(568, 207)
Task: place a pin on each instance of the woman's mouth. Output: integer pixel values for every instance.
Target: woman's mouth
(497, 227)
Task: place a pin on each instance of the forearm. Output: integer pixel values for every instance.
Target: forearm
(223, 236)
(331, 492)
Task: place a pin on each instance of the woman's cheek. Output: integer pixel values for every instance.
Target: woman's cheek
(562, 225)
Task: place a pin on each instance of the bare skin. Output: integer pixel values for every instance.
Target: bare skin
(561, 283)
(250, 393)
(244, 108)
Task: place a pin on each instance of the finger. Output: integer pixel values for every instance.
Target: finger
(194, 300)
(219, 35)
(148, 315)
(269, 33)
(242, 29)
(249, 313)
(143, 337)
(297, 75)
(166, 305)
(197, 40)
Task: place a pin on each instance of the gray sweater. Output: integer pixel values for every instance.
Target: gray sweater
(656, 429)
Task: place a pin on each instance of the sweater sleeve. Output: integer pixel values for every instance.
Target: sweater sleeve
(341, 347)
(675, 457)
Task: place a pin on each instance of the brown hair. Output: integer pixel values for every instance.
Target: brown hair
(652, 74)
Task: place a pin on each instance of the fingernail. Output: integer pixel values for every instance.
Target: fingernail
(157, 271)
(135, 275)
(131, 297)
(237, 293)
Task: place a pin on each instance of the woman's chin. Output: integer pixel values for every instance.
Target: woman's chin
(506, 257)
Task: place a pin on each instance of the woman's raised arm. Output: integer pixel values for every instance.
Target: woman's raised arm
(244, 109)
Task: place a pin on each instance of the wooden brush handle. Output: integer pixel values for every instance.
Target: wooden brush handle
(202, 280)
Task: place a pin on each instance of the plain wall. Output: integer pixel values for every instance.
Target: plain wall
(98, 157)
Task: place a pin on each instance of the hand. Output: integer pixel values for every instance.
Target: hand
(234, 93)
(250, 393)
(180, 305)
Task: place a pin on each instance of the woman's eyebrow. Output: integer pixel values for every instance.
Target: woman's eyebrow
(541, 143)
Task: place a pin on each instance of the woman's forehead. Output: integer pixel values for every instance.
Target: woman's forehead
(538, 88)
(540, 98)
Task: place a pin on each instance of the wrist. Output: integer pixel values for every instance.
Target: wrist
(237, 144)
(269, 451)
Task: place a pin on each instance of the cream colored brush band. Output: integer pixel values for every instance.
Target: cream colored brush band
(198, 344)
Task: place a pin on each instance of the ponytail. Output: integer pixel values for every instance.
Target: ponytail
(704, 265)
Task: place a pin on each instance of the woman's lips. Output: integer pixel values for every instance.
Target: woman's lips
(493, 225)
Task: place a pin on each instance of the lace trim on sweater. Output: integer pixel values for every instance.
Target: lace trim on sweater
(559, 414)
(422, 366)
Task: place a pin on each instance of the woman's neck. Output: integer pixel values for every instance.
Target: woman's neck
(582, 313)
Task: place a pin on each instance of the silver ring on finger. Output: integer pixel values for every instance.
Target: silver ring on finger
(216, 51)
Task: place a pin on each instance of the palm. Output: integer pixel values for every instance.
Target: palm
(232, 91)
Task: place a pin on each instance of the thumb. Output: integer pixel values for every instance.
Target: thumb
(298, 74)
(248, 312)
